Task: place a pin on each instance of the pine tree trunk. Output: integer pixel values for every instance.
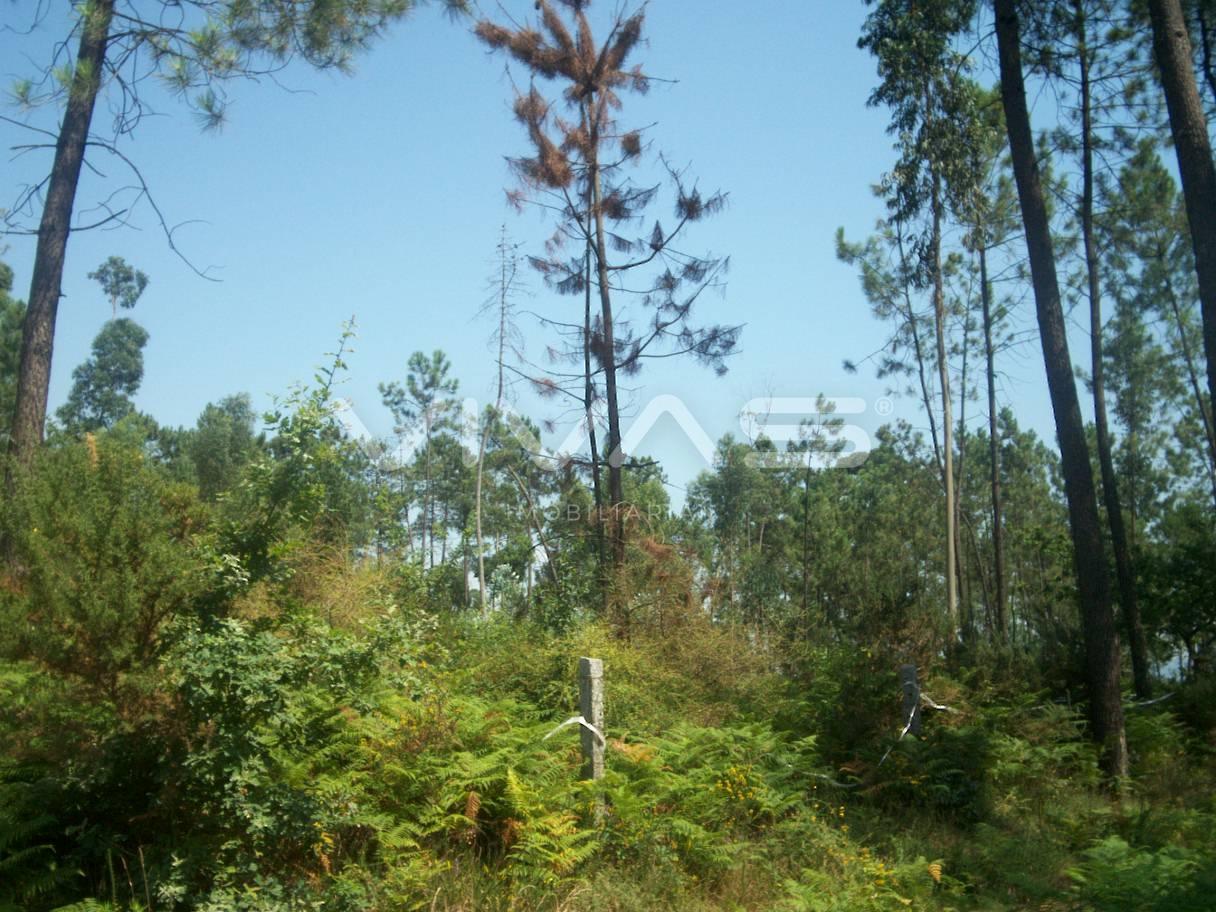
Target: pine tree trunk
(427, 520)
(806, 548)
(1205, 40)
(597, 487)
(994, 457)
(1192, 373)
(481, 554)
(943, 374)
(966, 607)
(1093, 583)
(503, 296)
(1124, 570)
(1188, 124)
(537, 526)
(918, 349)
(38, 331)
(616, 457)
(464, 548)
(443, 545)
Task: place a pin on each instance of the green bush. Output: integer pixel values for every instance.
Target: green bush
(104, 558)
(1116, 877)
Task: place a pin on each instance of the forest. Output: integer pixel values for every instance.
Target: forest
(270, 661)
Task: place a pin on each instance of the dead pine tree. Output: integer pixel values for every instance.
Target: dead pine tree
(506, 335)
(576, 168)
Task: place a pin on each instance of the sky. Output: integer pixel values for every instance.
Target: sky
(381, 196)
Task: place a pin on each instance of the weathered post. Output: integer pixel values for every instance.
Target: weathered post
(911, 689)
(591, 705)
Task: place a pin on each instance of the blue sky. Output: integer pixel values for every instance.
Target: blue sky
(381, 196)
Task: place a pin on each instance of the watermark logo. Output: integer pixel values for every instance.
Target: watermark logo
(783, 432)
(804, 432)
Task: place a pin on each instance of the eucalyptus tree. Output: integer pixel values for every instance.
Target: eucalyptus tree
(880, 582)
(1093, 581)
(196, 48)
(576, 168)
(1038, 547)
(103, 385)
(121, 282)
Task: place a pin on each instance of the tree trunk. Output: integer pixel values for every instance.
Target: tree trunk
(464, 549)
(966, 608)
(1188, 124)
(918, 348)
(943, 374)
(38, 331)
(1205, 40)
(504, 283)
(994, 455)
(537, 526)
(806, 548)
(443, 545)
(1093, 584)
(1192, 373)
(597, 487)
(481, 554)
(1124, 571)
(425, 505)
(616, 457)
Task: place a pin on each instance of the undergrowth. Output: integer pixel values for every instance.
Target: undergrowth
(261, 727)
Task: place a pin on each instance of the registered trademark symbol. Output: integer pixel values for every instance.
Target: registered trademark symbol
(884, 406)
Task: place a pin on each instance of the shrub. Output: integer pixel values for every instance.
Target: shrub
(1115, 877)
(103, 546)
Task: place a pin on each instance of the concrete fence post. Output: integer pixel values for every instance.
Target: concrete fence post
(591, 705)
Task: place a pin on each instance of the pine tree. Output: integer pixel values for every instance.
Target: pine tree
(1093, 583)
(577, 166)
(922, 82)
(1188, 126)
(425, 402)
(196, 47)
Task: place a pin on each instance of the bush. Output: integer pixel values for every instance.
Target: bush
(104, 558)
(1115, 877)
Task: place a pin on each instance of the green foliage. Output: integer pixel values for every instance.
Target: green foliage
(12, 313)
(306, 490)
(1115, 876)
(223, 697)
(222, 443)
(103, 385)
(121, 282)
(274, 714)
(104, 546)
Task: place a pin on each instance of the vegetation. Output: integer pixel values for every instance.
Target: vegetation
(257, 664)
